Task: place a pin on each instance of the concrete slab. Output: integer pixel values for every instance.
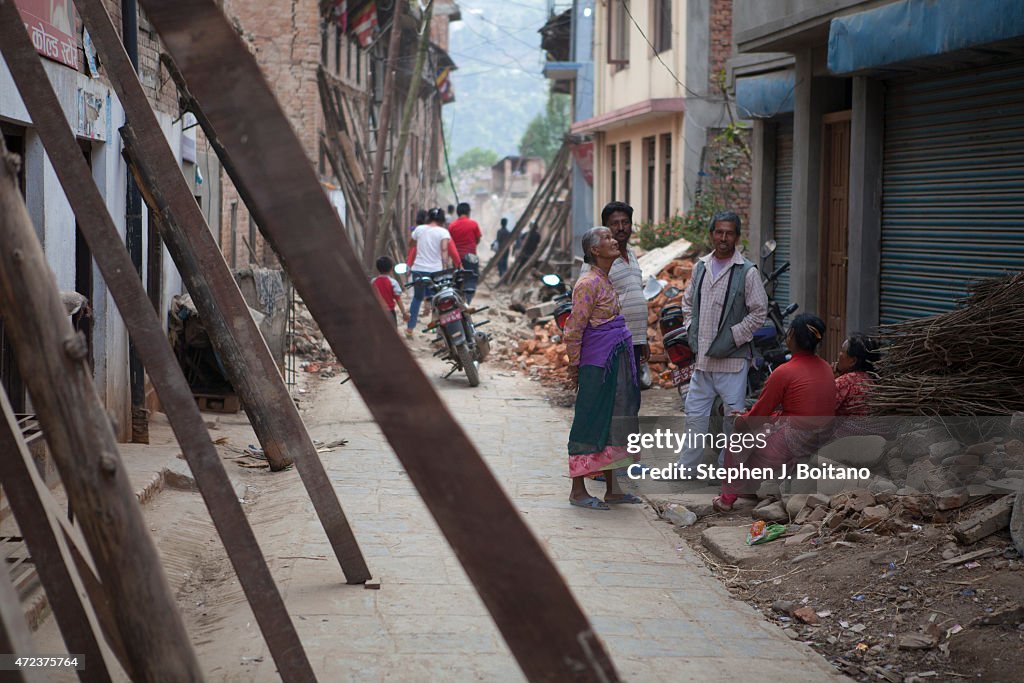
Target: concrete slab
(729, 543)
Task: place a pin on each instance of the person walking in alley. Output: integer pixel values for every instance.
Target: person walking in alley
(389, 292)
(429, 254)
(466, 235)
(723, 305)
(602, 369)
(499, 241)
(627, 278)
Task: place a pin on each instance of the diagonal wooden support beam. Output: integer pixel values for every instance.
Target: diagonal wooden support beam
(530, 603)
(24, 489)
(51, 357)
(238, 342)
(157, 647)
(15, 638)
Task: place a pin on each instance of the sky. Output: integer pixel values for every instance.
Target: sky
(498, 85)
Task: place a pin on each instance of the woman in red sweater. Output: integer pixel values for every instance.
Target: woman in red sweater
(802, 392)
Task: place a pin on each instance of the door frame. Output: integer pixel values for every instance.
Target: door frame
(845, 116)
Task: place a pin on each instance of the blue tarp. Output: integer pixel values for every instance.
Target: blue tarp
(765, 96)
(913, 29)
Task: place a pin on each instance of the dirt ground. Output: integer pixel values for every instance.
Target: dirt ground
(866, 592)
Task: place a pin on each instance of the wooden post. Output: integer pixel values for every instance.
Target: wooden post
(383, 124)
(398, 155)
(51, 357)
(146, 331)
(536, 613)
(15, 638)
(24, 489)
(250, 367)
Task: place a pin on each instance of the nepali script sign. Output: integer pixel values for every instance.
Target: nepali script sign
(51, 24)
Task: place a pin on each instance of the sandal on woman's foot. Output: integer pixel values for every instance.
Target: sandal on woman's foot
(719, 505)
(625, 499)
(589, 502)
(408, 333)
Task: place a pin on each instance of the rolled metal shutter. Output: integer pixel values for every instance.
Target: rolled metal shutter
(783, 228)
(953, 187)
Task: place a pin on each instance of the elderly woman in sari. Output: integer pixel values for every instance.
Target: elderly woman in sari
(603, 371)
(800, 399)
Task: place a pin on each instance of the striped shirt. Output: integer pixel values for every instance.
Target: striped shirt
(628, 281)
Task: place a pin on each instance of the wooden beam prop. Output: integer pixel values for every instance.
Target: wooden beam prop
(240, 346)
(383, 132)
(53, 563)
(15, 638)
(133, 578)
(550, 176)
(52, 359)
(530, 603)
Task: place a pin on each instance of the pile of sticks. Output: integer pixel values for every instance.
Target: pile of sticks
(965, 362)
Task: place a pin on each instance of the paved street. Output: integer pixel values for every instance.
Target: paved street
(656, 606)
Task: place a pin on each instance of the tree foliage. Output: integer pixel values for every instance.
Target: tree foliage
(544, 133)
(476, 157)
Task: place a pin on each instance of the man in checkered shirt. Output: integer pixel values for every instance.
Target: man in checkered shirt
(723, 305)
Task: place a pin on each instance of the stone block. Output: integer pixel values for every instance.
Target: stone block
(881, 485)
(983, 448)
(1006, 485)
(938, 452)
(774, 512)
(897, 468)
(796, 503)
(874, 515)
(729, 543)
(952, 499)
(916, 444)
(856, 451)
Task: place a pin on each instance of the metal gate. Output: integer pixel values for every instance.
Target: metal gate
(953, 187)
(783, 227)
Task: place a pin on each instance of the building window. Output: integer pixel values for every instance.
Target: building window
(651, 179)
(359, 66)
(348, 59)
(337, 49)
(613, 189)
(666, 193)
(618, 33)
(627, 175)
(323, 44)
(661, 21)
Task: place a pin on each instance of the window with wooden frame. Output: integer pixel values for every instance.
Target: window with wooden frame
(666, 155)
(618, 34)
(613, 175)
(625, 152)
(651, 176)
(661, 23)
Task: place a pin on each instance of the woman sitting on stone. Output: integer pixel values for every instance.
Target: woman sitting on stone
(603, 371)
(801, 394)
(856, 359)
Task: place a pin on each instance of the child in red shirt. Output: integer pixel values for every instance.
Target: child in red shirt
(388, 291)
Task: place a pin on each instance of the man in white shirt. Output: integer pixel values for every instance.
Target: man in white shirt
(429, 255)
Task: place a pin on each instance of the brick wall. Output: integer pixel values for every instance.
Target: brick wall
(728, 169)
(285, 38)
(721, 41)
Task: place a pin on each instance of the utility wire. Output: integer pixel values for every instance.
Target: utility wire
(625, 6)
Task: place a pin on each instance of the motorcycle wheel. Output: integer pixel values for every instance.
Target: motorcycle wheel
(470, 367)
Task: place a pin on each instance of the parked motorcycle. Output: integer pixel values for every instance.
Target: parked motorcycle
(769, 343)
(465, 347)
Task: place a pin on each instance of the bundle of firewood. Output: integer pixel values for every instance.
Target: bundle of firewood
(965, 362)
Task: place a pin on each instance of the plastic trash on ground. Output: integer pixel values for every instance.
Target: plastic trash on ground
(679, 514)
(761, 532)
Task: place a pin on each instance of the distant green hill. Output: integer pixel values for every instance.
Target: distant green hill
(498, 86)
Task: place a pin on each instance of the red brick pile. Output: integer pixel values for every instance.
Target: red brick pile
(546, 351)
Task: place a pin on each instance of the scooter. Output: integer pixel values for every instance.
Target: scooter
(465, 347)
(769, 343)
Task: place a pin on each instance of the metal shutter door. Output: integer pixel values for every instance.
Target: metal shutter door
(953, 187)
(783, 228)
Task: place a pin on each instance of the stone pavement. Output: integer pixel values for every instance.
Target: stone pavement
(653, 602)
